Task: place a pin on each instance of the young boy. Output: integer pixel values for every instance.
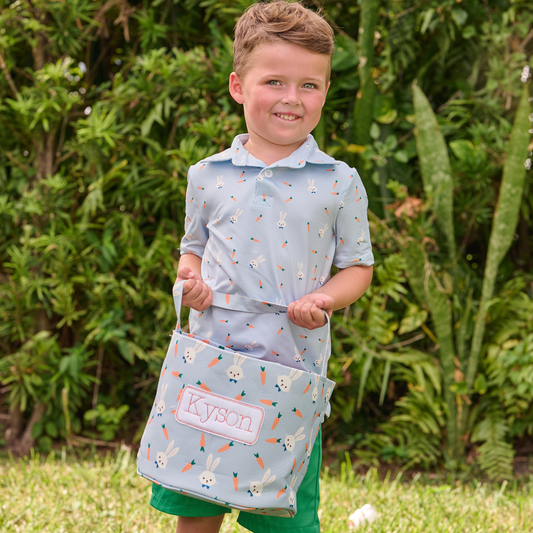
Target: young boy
(267, 219)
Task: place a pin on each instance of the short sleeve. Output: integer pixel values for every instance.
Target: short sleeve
(196, 233)
(351, 229)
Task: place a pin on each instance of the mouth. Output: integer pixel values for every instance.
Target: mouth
(287, 117)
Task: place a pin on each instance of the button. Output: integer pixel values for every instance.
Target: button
(268, 173)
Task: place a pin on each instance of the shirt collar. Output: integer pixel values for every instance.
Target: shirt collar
(308, 152)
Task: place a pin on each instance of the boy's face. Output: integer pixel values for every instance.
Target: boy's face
(282, 91)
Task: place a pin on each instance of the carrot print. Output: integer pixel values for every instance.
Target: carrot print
(177, 374)
(180, 392)
(250, 326)
(176, 346)
(226, 447)
(164, 370)
(322, 393)
(301, 465)
(279, 331)
(293, 465)
(276, 421)
(236, 480)
(307, 388)
(150, 421)
(276, 354)
(268, 402)
(284, 244)
(253, 239)
(148, 453)
(288, 199)
(188, 466)
(259, 460)
(203, 386)
(273, 441)
(240, 396)
(263, 375)
(227, 298)
(202, 442)
(165, 431)
(303, 336)
(297, 412)
(308, 227)
(215, 361)
(288, 184)
(260, 284)
(259, 218)
(281, 491)
(326, 209)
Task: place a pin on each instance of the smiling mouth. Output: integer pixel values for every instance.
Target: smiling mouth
(287, 117)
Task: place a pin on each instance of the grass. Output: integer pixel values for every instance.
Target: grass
(105, 495)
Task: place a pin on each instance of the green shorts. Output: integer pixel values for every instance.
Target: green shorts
(305, 521)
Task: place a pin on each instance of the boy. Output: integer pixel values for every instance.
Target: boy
(267, 219)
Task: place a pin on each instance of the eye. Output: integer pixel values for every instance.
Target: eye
(273, 82)
(309, 86)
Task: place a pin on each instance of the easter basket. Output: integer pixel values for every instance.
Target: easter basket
(248, 451)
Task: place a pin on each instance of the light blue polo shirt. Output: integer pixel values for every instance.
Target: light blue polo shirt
(272, 232)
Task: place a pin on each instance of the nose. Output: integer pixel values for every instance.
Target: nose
(291, 96)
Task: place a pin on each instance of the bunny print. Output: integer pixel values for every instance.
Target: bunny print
(281, 221)
(292, 493)
(207, 477)
(251, 346)
(323, 230)
(297, 356)
(220, 183)
(219, 260)
(311, 188)
(234, 372)
(235, 218)
(284, 382)
(291, 440)
(256, 487)
(191, 353)
(300, 273)
(160, 408)
(254, 263)
(162, 458)
(314, 394)
(361, 239)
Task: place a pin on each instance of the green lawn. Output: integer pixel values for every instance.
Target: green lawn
(105, 495)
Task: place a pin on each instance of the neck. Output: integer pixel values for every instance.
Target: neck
(272, 153)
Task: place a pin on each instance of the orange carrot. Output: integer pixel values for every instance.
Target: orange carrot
(266, 402)
(236, 480)
(226, 447)
(276, 421)
(188, 466)
(240, 396)
(176, 347)
(307, 388)
(165, 431)
(202, 443)
(281, 491)
(297, 412)
(259, 460)
(227, 298)
(177, 374)
(164, 370)
(203, 386)
(273, 441)
(263, 375)
(180, 393)
(215, 361)
(150, 421)
(279, 331)
(322, 393)
(293, 465)
(148, 453)
(301, 465)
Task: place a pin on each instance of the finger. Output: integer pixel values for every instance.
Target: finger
(318, 316)
(187, 273)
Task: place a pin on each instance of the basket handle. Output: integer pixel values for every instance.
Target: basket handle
(236, 302)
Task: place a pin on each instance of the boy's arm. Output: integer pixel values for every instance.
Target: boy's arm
(344, 288)
(196, 293)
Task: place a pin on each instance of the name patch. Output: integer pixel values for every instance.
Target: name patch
(219, 415)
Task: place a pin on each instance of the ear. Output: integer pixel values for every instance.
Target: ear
(326, 93)
(236, 88)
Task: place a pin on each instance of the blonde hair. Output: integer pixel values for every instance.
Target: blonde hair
(280, 21)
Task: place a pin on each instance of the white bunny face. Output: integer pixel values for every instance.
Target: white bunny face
(281, 221)
(314, 394)
(161, 459)
(220, 183)
(290, 440)
(311, 188)
(256, 487)
(160, 408)
(284, 383)
(189, 355)
(254, 263)
(207, 478)
(235, 218)
(235, 372)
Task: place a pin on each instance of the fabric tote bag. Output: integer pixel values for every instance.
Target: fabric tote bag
(249, 451)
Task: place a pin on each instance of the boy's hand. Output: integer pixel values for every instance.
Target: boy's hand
(308, 311)
(196, 293)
